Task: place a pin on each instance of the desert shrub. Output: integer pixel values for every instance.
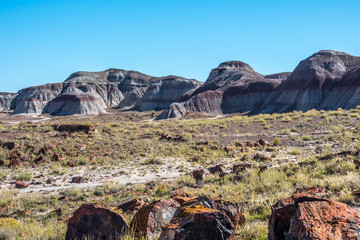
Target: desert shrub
(153, 161)
(82, 161)
(285, 131)
(286, 119)
(295, 152)
(74, 194)
(160, 191)
(306, 138)
(186, 137)
(24, 176)
(276, 142)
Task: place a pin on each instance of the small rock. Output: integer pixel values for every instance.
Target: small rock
(10, 145)
(15, 162)
(231, 151)
(241, 167)
(220, 169)
(180, 196)
(263, 142)
(57, 212)
(270, 149)
(198, 174)
(77, 179)
(50, 181)
(240, 144)
(70, 164)
(81, 147)
(38, 150)
(15, 154)
(56, 157)
(132, 206)
(261, 157)
(40, 159)
(315, 191)
(74, 154)
(21, 184)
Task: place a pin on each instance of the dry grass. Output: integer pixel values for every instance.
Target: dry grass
(131, 141)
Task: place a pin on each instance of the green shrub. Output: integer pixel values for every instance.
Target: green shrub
(276, 142)
(23, 176)
(306, 138)
(286, 119)
(285, 131)
(82, 161)
(186, 137)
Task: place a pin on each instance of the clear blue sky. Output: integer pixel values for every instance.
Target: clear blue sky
(45, 41)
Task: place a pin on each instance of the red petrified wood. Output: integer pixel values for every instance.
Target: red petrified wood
(150, 219)
(92, 222)
(200, 223)
(302, 216)
(131, 206)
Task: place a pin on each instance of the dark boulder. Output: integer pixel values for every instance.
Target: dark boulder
(77, 179)
(226, 207)
(92, 222)
(200, 223)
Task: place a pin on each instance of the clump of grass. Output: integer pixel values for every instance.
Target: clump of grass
(186, 137)
(295, 152)
(153, 161)
(286, 119)
(306, 138)
(82, 161)
(160, 191)
(276, 142)
(24, 176)
(254, 230)
(285, 131)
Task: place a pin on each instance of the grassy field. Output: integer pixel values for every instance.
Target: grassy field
(130, 143)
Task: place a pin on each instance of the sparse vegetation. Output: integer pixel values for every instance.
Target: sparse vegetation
(129, 143)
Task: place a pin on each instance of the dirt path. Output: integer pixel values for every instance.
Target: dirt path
(45, 181)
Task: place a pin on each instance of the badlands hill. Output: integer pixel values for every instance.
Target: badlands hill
(326, 80)
(5, 100)
(94, 92)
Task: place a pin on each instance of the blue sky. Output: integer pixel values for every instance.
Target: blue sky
(45, 41)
